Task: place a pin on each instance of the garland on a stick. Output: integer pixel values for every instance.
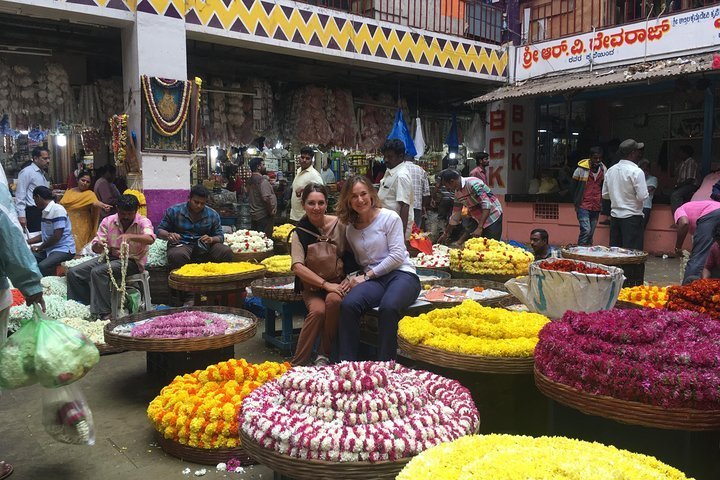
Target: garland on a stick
(168, 118)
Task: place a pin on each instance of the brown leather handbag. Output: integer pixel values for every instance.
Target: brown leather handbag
(322, 258)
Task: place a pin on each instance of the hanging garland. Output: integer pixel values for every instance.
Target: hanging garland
(118, 127)
(168, 114)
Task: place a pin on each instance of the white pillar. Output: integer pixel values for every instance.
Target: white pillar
(155, 45)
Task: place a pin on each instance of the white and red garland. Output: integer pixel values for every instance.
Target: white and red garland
(167, 126)
(358, 411)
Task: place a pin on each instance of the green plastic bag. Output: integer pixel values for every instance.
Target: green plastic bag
(63, 354)
(17, 357)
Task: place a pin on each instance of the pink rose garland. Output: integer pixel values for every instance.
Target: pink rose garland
(182, 325)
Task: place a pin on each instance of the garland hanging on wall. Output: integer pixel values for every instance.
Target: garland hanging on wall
(118, 126)
(168, 102)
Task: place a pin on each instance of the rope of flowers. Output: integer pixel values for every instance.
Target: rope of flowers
(644, 296)
(167, 126)
(124, 258)
(484, 256)
(196, 415)
(516, 457)
(648, 367)
(118, 127)
(473, 337)
(700, 296)
(353, 420)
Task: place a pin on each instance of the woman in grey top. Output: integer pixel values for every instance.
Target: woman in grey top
(386, 280)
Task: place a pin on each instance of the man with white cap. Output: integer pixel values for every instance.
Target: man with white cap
(626, 189)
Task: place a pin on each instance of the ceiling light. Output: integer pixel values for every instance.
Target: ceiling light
(576, 134)
(252, 151)
(61, 140)
(542, 131)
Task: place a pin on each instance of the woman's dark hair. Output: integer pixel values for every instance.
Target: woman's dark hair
(84, 173)
(128, 203)
(199, 191)
(43, 192)
(448, 174)
(313, 187)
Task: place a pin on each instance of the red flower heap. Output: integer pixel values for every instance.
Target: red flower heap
(656, 357)
(572, 266)
(700, 296)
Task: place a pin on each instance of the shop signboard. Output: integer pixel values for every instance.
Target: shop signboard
(659, 37)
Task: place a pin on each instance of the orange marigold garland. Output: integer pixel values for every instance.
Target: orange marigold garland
(646, 296)
(700, 296)
(200, 409)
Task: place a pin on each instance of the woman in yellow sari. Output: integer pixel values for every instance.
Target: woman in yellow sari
(83, 208)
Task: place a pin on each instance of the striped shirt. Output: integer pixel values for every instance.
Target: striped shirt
(420, 183)
(55, 217)
(476, 196)
(111, 229)
(178, 219)
(687, 170)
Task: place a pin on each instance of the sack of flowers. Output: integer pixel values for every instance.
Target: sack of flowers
(200, 410)
(516, 457)
(641, 366)
(700, 296)
(488, 257)
(555, 286)
(353, 419)
(473, 337)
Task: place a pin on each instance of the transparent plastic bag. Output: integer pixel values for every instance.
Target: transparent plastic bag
(17, 357)
(67, 417)
(63, 355)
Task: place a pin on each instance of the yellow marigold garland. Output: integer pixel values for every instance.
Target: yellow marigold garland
(651, 297)
(278, 263)
(141, 200)
(200, 409)
(471, 329)
(213, 269)
(515, 457)
(281, 232)
(486, 256)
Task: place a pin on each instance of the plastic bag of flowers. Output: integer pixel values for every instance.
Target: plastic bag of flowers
(17, 357)
(63, 355)
(515, 457)
(66, 415)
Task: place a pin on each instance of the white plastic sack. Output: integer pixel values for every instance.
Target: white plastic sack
(475, 135)
(552, 293)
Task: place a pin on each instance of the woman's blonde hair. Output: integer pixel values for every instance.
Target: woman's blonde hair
(344, 210)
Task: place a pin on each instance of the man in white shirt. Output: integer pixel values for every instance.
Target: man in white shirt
(304, 175)
(421, 189)
(32, 176)
(328, 176)
(396, 187)
(626, 189)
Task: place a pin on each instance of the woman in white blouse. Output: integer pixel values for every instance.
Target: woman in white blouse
(387, 279)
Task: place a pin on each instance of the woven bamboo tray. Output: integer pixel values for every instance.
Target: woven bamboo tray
(301, 469)
(606, 260)
(468, 363)
(106, 349)
(470, 283)
(179, 344)
(215, 283)
(203, 456)
(262, 288)
(633, 413)
(269, 274)
(491, 278)
(252, 256)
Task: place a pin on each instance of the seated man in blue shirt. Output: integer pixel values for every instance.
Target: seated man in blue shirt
(193, 232)
(539, 244)
(58, 243)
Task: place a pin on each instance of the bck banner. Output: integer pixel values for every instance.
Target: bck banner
(658, 37)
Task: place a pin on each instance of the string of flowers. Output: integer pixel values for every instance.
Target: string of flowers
(516, 457)
(646, 296)
(700, 296)
(190, 324)
(118, 127)
(248, 241)
(200, 409)
(124, 258)
(486, 256)
(656, 357)
(171, 125)
(213, 269)
(357, 411)
(472, 329)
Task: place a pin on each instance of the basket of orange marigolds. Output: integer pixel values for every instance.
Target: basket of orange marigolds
(643, 296)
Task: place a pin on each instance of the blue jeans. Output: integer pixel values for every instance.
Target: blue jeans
(393, 293)
(587, 220)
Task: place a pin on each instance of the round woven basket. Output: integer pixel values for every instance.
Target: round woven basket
(252, 256)
(106, 349)
(301, 469)
(431, 272)
(179, 344)
(468, 363)
(203, 456)
(633, 413)
(269, 274)
(492, 278)
(640, 257)
(215, 283)
(263, 288)
(280, 247)
(470, 283)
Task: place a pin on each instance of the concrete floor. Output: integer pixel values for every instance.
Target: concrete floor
(118, 391)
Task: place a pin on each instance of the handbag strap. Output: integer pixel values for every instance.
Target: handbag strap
(320, 238)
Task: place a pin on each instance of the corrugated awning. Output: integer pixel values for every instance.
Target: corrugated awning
(601, 78)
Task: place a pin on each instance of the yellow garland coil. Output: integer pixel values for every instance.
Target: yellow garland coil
(200, 409)
(486, 256)
(278, 263)
(651, 297)
(514, 457)
(282, 231)
(471, 329)
(213, 269)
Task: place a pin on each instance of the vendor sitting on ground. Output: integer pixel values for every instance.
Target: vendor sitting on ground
(481, 203)
(89, 283)
(539, 239)
(712, 263)
(193, 232)
(57, 242)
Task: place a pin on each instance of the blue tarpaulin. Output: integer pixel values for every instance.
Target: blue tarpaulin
(452, 139)
(401, 131)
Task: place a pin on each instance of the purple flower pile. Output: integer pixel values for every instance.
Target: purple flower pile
(656, 357)
(182, 325)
